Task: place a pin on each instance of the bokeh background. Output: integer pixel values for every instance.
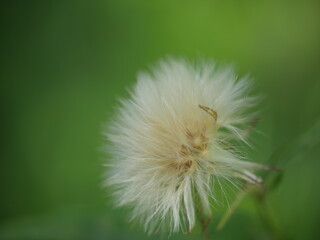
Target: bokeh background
(65, 63)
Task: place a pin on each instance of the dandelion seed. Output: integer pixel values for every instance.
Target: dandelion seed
(174, 137)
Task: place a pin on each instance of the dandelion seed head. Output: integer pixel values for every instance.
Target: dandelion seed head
(173, 138)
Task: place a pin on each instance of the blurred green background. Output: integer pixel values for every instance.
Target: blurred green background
(65, 63)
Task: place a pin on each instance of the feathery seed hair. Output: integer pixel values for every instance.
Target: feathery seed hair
(174, 138)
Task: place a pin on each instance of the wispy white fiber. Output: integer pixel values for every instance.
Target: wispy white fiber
(174, 137)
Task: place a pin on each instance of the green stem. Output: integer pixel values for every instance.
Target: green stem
(233, 207)
(266, 216)
(204, 220)
(204, 227)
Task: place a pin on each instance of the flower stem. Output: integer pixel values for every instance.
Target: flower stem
(203, 219)
(229, 212)
(266, 215)
(204, 227)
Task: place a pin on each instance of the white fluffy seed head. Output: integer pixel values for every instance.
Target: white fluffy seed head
(172, 139)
